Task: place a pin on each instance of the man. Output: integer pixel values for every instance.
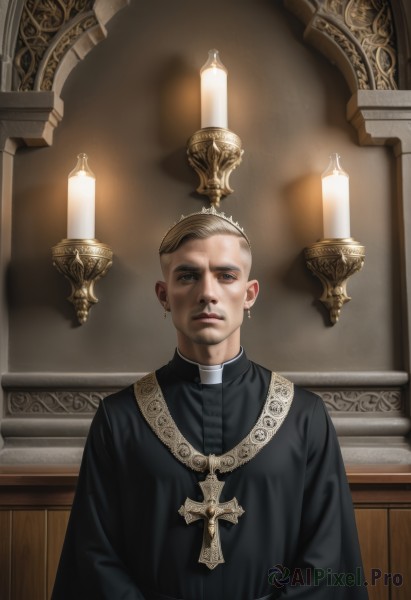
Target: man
(212, 478)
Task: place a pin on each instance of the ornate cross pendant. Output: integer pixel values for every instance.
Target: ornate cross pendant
(210, 510)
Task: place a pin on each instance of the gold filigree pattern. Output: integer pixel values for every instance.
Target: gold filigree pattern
(41, 21)
(153, 407)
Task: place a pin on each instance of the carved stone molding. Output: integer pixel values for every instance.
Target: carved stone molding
(58, 50)
(61, 402)
(54, 36)
(375, 401)
(358, 35)
(41, 23)
(53, 403)
(30, 117)
(382, 118)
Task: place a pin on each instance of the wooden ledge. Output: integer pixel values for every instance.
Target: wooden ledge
(39, 486)
(40, 475)
(374, 474)
(380, 485)
(54, 486)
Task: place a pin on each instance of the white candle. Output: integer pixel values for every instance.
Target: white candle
(214, 92)
(336, 200)
(81, 201)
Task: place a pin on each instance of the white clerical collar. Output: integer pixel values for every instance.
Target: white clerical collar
(211, 374)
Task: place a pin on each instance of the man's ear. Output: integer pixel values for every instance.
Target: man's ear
(251, 294)
(161, 293)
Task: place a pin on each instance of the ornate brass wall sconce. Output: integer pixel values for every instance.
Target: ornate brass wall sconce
(214, 151)
(333, 262)
(338, 256)
(80, 257)
(82, 262)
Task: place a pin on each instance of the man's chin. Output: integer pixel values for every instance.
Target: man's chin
(207, 340)
(207, 336)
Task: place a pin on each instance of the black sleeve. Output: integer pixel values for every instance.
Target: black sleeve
(91, 565)
(329, 565)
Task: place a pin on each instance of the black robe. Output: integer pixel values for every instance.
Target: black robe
(127, 541)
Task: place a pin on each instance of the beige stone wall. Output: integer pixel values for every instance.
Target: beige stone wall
(131, 105)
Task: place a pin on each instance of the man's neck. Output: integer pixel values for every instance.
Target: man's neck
(211, 374)
(208, 355)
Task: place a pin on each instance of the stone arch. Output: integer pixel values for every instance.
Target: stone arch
(53, 37)
(357, 35)
(402, 18)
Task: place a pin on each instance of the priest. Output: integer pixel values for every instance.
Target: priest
(212, 478)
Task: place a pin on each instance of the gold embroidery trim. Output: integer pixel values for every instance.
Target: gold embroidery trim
(153, 407)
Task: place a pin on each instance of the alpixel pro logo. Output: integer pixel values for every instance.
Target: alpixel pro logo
(280, 576)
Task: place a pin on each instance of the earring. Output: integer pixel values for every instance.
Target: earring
(165, 314)
(248, 313)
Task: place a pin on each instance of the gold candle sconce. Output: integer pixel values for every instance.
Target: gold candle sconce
(214, 151)
(338, 256)
(333, 262)
(80, 257)
(82, 262)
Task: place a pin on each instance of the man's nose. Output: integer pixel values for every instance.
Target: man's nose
(207, 290)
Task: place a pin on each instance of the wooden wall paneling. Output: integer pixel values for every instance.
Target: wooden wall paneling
(5, 544)
(372, 525)
(56, 530)
(400, 553)
(35, 503)
(28, 555)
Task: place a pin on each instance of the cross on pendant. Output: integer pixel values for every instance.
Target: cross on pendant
(211, 510)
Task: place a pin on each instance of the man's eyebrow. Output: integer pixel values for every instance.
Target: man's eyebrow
(226, 268)
(186, 268)
(194, 269)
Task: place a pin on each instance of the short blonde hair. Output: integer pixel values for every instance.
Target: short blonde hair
(201, 226)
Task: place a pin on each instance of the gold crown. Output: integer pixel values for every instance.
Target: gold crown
(214, 212)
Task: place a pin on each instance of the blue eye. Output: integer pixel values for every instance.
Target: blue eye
(187, 277)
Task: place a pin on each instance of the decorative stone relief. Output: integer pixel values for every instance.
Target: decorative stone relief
(41, 21)
(382, 401)
(362, 30)
(54, 36)
(350, 49)
(53, 402)
(64, 44)
(20, 403)
(371, 23)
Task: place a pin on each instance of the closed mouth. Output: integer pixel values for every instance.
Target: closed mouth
(211, 316)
